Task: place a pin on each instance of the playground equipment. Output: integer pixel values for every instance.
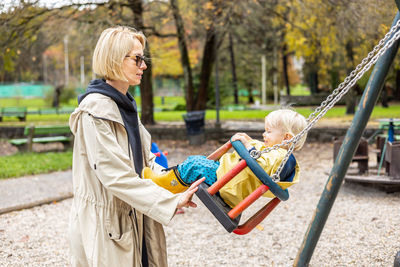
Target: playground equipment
(383, 55)
(228, 217)
(386, 174)
(385, 51)
(361, 155)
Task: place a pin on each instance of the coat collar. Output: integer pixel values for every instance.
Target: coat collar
(97, 105)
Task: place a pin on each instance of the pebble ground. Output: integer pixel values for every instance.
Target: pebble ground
(362, 229)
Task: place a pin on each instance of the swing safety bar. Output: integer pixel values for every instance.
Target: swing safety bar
(257, 218)
(215, 187)
(220, 151)
(234, 212)
(228, 217)
(247, 161)
(259, 172)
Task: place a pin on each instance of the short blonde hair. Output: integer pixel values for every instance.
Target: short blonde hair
(111, 48)
(289, 121)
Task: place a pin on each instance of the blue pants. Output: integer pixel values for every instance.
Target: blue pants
(196, 167)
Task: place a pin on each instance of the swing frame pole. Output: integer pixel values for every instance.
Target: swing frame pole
(346, 152)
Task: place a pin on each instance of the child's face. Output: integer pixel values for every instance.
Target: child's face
(272, 136)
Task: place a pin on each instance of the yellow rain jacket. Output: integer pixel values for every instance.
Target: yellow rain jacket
(113, 209)
(245, 182)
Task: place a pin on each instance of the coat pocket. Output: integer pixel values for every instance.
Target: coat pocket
(119, 229)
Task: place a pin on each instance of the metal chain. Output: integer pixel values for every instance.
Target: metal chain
(383, 45)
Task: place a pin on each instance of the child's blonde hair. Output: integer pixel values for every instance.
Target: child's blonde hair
(289, 121)
(111, 49)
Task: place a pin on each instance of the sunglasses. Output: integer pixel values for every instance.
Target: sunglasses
(138, 58)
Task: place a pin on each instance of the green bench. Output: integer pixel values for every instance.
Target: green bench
(19, 112)
(47, 111)
(36, 134)
(65, 110)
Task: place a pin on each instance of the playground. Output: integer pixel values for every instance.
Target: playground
(362, 229)
(344, 210)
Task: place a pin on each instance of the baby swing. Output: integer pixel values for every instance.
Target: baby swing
(228, 217)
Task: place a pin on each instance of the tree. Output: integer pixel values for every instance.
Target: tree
(187, 70)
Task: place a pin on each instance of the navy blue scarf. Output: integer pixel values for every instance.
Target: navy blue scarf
(128, 109)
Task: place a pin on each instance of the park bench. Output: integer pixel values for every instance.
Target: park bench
(36, 134)
(19, 112)
(47, 111)
(360, 156)
(392, 157)
(65, 110)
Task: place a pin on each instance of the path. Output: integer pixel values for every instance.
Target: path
(29, 191)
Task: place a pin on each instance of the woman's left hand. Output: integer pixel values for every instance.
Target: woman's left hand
(186, 197)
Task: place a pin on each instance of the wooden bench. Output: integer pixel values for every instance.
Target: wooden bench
(54, 133)
(19, 112)
(392, 159)
(360, 156)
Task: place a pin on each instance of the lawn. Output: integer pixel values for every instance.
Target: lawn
(21, 164)
(164, 110)
(337, 112)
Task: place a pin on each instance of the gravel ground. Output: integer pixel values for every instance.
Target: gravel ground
(362, 229)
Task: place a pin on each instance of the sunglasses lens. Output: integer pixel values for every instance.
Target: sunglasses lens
(139, 60)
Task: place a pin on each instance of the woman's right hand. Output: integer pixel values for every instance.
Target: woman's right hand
(186, 197)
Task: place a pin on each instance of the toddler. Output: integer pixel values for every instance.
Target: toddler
(280, 125)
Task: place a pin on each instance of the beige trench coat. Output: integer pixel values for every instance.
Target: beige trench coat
(112, 207)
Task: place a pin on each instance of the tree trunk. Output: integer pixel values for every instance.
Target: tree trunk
(146, 87)
(250, 90)
(187, 71)
(234, 77)
(397, 85)
(146, 93)
(311, 76)
(206, 68)
(285, 68)
(350, 100)
(351, 96)
(56, 96)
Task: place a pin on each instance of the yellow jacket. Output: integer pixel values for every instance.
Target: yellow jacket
(245, 182)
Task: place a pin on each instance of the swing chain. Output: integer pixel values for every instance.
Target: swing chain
(255, 154)
(275, 177)
(383, 45)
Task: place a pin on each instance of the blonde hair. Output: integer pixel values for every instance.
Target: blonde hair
(289, 121)
(111, 48)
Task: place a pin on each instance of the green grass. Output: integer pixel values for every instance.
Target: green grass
(21, 164)
(23, 102)
(31, 103)
(337, 112)
(298, 89)
(48, 119)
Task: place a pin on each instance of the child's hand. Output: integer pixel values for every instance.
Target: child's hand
(244, 138)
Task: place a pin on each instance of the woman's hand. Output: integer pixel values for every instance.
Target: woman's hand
(186, 197)
(244, 138)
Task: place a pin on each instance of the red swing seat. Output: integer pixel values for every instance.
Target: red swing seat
(230, 217)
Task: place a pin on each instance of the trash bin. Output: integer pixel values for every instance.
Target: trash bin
(194, 121)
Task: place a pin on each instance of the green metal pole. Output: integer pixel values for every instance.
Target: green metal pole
(345, 155)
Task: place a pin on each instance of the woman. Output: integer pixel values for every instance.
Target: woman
(116, 216)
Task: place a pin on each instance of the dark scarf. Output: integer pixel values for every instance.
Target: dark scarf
(127, 107)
